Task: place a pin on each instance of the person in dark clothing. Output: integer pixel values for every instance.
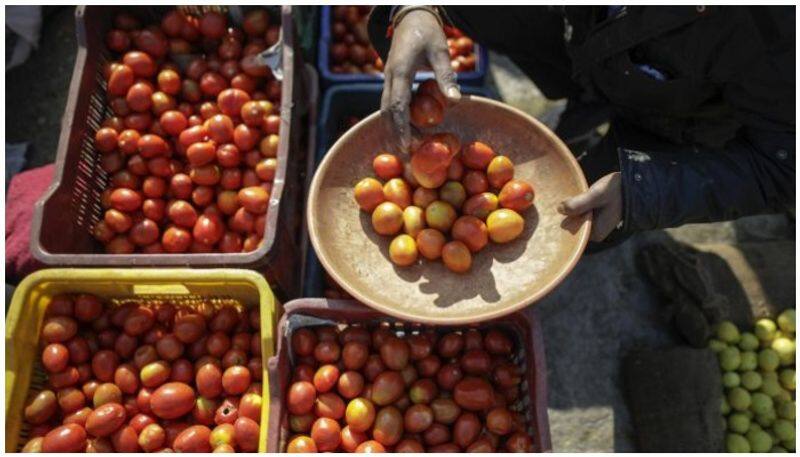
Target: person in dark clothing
(701, 100)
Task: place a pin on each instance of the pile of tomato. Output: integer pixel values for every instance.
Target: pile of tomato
(159, 377)
(191, 144)
(352, 52)
(467, 192)
(363, 389)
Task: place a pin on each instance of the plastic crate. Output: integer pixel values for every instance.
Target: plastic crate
(523, 327)
(64, 216)
(472, 78)
(337, 103)
(24, 372)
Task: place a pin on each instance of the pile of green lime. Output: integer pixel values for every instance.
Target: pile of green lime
(759, 378)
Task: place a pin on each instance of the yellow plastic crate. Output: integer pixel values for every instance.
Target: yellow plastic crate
(24, 371)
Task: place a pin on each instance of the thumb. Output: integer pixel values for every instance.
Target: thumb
(580, 204)
(445, 76)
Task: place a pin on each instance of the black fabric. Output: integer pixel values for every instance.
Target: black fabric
(712, 141)
(674, 396)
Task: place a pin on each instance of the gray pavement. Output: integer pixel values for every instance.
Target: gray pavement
(603, 309)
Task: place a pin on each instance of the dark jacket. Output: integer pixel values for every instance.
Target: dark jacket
(723, 95)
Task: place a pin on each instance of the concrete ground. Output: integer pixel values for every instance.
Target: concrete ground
(604, 308)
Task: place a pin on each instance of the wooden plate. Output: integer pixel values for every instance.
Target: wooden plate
(503, 278)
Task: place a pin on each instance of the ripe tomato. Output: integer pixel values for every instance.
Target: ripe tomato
(301, 397)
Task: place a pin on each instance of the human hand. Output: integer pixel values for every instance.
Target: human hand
(604, 200)
(417, 41)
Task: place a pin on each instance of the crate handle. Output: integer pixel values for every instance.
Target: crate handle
(160, 289)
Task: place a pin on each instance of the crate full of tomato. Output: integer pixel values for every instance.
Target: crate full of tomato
(180, 142)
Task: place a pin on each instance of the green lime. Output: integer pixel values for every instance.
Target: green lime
(728, 332)
(736, 443)
(785, 348)
(789, 444)
(724, 408)
(768, 359)
(786, 378)
(786, 409)
(777, 450)
(786, 320)
(759, 440)
(716, 345)
(738, 423)
(730, 358)
(783, 429)
(749, 361)
(751, 380)
(739, 399)
(731, 379)
(761, 403)
(765, 329)
(766, 419)
(769, 385)
(748, 342)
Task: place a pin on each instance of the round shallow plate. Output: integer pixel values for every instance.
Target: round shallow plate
(503, 278)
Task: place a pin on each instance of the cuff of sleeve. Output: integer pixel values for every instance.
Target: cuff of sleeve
(641, 201)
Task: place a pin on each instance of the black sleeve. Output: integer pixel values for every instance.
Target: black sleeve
(754, 175)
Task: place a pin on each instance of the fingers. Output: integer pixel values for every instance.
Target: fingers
(399, 105)
(445, 76)
(582, 203)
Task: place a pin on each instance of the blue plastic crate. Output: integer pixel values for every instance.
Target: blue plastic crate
(469, 78)
(339, 102)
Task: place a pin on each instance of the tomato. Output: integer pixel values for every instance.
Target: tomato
(326, 433)
(519, 442)
(55, 357)
(235, 380)
(140, 421)
(152, 438)
(144, 355)
(139, 96)
(78, 417)
(106, 139)
(387, 166)
(351, 439)
(105, 419)
(329, 405)
(388, 426)
(395, 353)
(193, 439)
(387, 388)
(222, 434)
(449, 375)
(155, 374)
(104, 363)
(325, 378)
(476, 362)
(118, 40)
(450, 345)
(423, 391)
(172, 400)
(230, 101)
(250, 406)
(234, 357)
(41, 408)
(152, 41)
(70, 399)
(58, 329)
(126, 378)
(227, 413)
(182, 371)
(169, 347)
(66, 438)
(429, 366)
(204, 411)
(418, 418)
(213, 24)
(301, 397)
(189, 327)
(212, 83)
(327, 351)
(120, 80)
(139, 321)
(208, 230)
(69, 377)
(301, 444)
(370, 446)
(354, 355)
